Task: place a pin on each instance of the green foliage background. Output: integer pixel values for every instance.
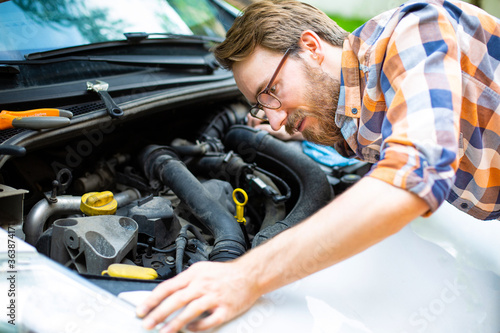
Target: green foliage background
(348, 24)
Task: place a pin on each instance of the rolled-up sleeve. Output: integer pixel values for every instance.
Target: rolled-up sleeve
(420, 79)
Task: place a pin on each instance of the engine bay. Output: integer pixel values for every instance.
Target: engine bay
(163, 192)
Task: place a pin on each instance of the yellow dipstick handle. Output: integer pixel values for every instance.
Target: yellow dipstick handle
(98, 203)
(131, 272)
(240, 206)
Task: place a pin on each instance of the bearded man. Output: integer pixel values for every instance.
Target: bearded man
(415, 90)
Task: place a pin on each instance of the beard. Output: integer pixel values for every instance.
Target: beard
(321, 97)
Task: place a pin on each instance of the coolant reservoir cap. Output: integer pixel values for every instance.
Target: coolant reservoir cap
(98, 203)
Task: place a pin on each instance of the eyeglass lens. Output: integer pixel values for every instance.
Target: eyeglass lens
(269, 101)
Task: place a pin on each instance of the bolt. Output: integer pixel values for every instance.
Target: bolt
(170, 260)
(53, 196)
(149, 250)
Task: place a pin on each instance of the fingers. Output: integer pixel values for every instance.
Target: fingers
(203, 288)
(252, 121)
(162, 291)
(170, 305)
(265, 127)
(214, 319)
(193, 311)
(281, 133)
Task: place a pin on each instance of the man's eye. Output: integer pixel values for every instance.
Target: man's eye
(273, 89)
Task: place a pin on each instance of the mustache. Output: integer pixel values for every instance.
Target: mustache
(321, 97)
(293, 120)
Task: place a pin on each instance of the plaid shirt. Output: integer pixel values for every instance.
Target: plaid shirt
(420, 98)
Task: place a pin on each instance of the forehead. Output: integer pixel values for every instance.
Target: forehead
(254, 72)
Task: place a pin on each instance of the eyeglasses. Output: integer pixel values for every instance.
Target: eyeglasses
(266, 98)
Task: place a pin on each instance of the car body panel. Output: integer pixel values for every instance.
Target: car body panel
(438, 274)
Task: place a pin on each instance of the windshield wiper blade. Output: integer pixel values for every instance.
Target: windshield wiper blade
(203, 62)
(74, 49)
(131, 38)
(135, 37)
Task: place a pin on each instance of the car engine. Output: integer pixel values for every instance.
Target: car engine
(163, 191)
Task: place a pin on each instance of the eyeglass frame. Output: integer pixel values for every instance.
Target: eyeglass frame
(260, 106)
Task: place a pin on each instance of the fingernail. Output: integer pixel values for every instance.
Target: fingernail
(140, 311)
(148, 323)
(166, 329)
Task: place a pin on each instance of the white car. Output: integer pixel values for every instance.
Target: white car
(125, 158)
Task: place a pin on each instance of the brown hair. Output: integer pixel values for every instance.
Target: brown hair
(276, 25)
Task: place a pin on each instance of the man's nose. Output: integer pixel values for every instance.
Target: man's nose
(276, 117)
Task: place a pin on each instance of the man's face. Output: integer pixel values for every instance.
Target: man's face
(308, 95)
(321, 95)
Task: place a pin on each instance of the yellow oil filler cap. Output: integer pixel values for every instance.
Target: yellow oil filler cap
(130, 272)
(98, 203)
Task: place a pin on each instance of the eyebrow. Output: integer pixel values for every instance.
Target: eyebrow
(261, 87)
(273, 77)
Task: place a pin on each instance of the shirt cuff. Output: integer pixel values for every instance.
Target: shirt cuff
(409, 182)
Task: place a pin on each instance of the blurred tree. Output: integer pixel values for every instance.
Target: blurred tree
(477, 3)
(199, 16)
(240, 4)
(347, 23)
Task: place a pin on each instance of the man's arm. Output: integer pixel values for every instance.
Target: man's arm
(365, 214)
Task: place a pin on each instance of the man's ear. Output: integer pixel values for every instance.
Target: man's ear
(311, 46)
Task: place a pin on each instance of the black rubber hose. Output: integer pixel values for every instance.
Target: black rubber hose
(315, 190)
(277, 179)
(219, 125)
(170, 249)
(161, 163)
(190, 150)
(180, 245)
(229, 167)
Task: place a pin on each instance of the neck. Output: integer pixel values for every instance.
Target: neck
(333, 61)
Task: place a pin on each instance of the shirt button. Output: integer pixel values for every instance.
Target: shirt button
(354, 111)
(463, 205)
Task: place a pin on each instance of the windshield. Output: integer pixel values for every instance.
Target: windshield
(28, 26)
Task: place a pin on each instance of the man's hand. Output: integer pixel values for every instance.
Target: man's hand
(367, 213)
(217, 292)
(279, 134)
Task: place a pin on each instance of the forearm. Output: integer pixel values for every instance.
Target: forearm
(366, 214)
